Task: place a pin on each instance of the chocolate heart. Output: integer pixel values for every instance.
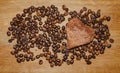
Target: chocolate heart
(78, 33)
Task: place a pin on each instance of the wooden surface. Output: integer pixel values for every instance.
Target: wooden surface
(106, 63)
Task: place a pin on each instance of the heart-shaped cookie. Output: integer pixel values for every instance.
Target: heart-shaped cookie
(78, 33)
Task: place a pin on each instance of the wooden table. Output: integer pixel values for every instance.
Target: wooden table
(106, 63)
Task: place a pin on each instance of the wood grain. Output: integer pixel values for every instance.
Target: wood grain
(106, 63)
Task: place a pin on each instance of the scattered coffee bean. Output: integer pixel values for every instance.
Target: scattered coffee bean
(111, 40)
(40, 62)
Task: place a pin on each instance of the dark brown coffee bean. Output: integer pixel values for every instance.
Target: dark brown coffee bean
(23, 59)
(60, 63)
(18, 60)
(109, 46)
(89, 56)
(23, 14)
(52, 6)
(20, 55)
(25, 11)
(10, 40)
(88, 62)
(35, 17)
(93, 56)
(71, 61)
(40, 62)
(40, 28)
(108, 18)
(37, 56)
(63, 27)
(68, 62)
(84, 9)
(52, 64)
(32, 45)
(27, 59)
(41, 54)
(72, 56)
(8, 33)
(25, 55)
(16, 55)
(101, 52)
(39, 47)
(78, 58)
(111, 40)
(65, 58)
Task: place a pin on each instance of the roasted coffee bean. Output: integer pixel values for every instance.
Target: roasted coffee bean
(23, 15)
(64, 43)
(88, 62)
(8, 33)
(32, 59)
(37, 56)
(71, 61)
(12, 52)
(41, 54)
(65, 8)
(25, 11)
(65, 58)
(108, 18)
(109, 46)
(25, 55)
(39, 47)
(78, 58)
(68, 62)
(10, 40)
(93, 56)
(32, 45)
(27, 59)
(63, 27)
(18, 60)
(20, 55)
(101, 52)
(40, 62)
(22, 59)
(52, 6)
(52, 64)
(84, 9)
(111, 40)
(72, 56)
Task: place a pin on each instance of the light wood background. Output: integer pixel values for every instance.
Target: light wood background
(106, 63)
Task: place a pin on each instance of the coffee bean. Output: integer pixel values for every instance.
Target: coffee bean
(23, 59)
(18, 60)
(52, 64)
(27, 59)
(20, 55)
(40, 62)
(84, 9)
(109, 46)
(89, 62)
(72, 56)
(68, 62)
(65, 58)
(37, 56)
(8, 33)
(108, 18)
(71, 61)
(25, 11)
(12, 53)
(10, 40)
(111, 40)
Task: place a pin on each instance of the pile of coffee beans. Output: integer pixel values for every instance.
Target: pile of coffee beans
(42, 28)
